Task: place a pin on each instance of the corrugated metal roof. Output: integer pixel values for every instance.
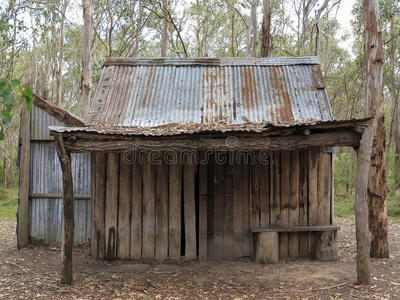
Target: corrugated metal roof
(204, 94)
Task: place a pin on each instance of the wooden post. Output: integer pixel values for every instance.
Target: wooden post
(68, 211)
(267, 248)
(326, 248)
(362, 233)
(24, 164)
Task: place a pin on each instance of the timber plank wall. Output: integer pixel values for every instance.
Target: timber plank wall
(172, 211)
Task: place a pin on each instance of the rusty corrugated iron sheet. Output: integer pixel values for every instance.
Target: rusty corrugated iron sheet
(190, 95)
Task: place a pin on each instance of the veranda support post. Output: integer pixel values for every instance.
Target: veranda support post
(68, 211)
(363, 235)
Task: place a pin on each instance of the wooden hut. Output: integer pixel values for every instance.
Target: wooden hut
(40, 190)
(150, 116)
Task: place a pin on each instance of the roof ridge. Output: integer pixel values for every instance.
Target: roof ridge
(207, 61)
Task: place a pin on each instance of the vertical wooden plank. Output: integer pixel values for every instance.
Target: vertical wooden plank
(210, 207)
(264, 194)
(312, 197)
(136, 224)
(323, 191)
(24, 172)
(203, 199)
(111, 206)
(237, 210)
(303, 202)
(189, 207)
(275, 189)
(162, 211)
(246, 208)
(294, 217)
(254, 200)
(124, 210)
(228, 210)
(285, 200)
(175, 208)
(149, 209)
(218, 209)
(332, 187)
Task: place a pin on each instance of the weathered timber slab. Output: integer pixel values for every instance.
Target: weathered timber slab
(87, 142)
(296, 229)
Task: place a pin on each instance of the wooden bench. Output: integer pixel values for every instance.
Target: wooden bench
(267, 242)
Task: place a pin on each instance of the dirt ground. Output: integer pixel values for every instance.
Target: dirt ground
(33, 273)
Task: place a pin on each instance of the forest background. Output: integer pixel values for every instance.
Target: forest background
(41, 44)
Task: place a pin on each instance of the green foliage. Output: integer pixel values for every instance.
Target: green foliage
(12, 92)
(8, 203)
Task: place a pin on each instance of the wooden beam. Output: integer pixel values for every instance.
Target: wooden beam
(59, 196)
(68, 211)
(85, 142)
(57, 112)
(296, 228)
(24, 166)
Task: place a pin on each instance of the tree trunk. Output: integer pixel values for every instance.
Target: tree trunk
(165, 30)
(86, 65)
(378, 223)
(266, 41)
(59, 82)
(255, 27)
(317, 31)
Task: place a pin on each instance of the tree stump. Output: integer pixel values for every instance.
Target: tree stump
(326, 248)
(267, 248)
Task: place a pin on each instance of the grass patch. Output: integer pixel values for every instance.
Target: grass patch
(393, 206)
(344, 209)
(8, 204)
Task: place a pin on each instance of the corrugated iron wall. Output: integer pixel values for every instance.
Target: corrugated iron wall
(45, 209)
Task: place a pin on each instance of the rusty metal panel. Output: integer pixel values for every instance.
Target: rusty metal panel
(159, 95)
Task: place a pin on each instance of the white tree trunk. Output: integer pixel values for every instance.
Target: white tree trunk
(86, 64)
